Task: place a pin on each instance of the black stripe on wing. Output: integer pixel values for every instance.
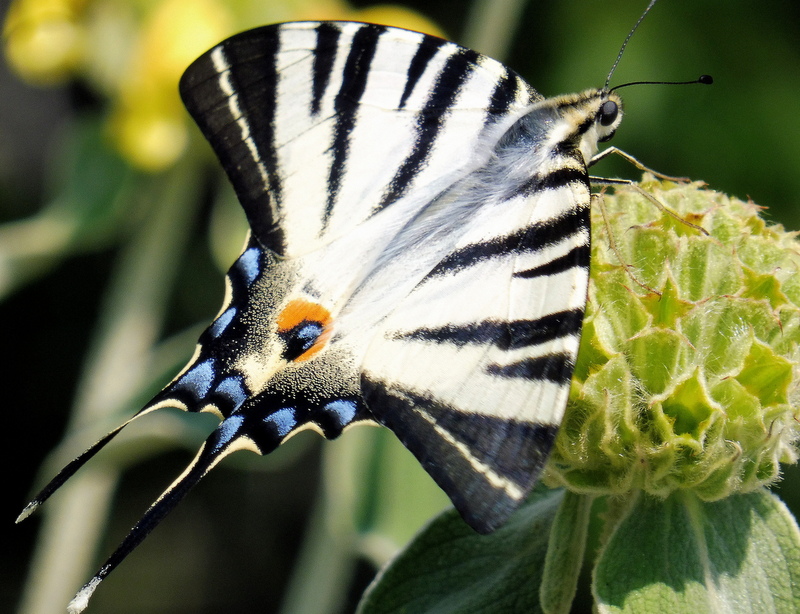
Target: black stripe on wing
(504, 335)
(552, 181)
(485, 464)
(504, 95)
(577, 257)
(556, 367)
(354, 82)
(532, 238)
(427, 49)
(327, 45)
(431, 120)
(240, 124)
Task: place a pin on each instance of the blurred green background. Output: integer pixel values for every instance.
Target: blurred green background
(110, 260)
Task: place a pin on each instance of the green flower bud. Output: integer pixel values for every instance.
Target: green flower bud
(687, 376)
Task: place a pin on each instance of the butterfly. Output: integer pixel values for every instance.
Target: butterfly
(418, 257)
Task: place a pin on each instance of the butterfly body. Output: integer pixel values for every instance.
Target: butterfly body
(418, 256)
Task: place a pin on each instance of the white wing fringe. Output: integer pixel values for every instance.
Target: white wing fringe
(81, 600)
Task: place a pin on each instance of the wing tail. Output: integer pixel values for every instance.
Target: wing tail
(228, 437)
(69, 470)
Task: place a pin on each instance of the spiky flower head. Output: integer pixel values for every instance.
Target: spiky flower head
(688, 371)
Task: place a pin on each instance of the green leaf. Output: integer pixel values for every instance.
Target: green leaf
(450, 569)
(565, 550)
(740, 554)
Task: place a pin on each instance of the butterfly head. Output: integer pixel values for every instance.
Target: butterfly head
(585, 119)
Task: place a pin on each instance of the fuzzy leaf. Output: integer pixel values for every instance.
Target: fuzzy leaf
(565, 552)
(450, 569)
(740, 554)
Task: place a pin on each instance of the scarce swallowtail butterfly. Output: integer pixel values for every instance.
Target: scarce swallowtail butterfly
(418, 257)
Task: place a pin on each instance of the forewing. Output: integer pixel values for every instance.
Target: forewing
(322, 125)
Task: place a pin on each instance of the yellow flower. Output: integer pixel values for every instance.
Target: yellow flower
(148, 121)
(43, 39)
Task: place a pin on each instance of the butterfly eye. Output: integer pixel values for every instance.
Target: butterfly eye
(608, 113)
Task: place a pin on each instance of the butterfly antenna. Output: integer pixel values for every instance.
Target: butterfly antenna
(625, 43)
(224, 440)
(702, 80)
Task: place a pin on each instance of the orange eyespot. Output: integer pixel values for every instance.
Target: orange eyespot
(304, 327)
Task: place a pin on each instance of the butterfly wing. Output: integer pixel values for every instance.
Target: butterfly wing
(340, 140)
(337, 137)
(472, 368)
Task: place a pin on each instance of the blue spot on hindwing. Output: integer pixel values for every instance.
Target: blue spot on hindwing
(198, 379)
(249, 265)
(221, 323)
(232, 388)
(227, 431)
(343, 410)
(283, 420)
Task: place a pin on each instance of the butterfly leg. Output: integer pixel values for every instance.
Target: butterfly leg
(612, 243)
(626, 156)
(603, 181)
